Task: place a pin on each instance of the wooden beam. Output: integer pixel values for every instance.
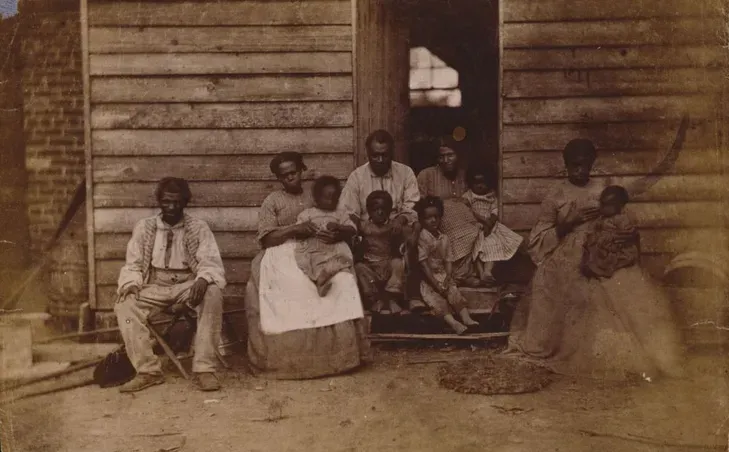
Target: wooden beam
(256, 88)
(319, 38)
(606, 136)
(645, 57)
(616, 163)
(221, 63)
(122, 220)
(216, 13)
(605, 109)
(222, 116)
(561, 11)
(683, 31)
(221, 141)
(88, 153)
(612, 82)
(212, 168)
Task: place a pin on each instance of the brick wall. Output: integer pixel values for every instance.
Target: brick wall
(53, 113)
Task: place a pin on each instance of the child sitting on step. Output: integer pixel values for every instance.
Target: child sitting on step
(496, 242)
(438, 289)
(381, 271)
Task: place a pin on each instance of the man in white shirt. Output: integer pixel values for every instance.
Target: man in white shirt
(397, 179)
(172, 263)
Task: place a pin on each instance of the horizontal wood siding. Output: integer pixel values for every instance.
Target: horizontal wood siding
(620, 73)
(210, 91)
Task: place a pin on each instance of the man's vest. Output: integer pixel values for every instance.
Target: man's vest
(191, 231)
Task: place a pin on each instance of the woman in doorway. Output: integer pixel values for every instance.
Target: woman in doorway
(447, 180)
(293, 332)
(607, 328)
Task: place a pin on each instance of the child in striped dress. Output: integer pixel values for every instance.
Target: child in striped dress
(496, 242)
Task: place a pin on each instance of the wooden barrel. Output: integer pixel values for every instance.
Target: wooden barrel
(68, 280)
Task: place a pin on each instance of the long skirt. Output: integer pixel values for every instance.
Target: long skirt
(596, 327)
(306, 353)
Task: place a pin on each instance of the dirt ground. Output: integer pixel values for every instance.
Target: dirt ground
(395, 404)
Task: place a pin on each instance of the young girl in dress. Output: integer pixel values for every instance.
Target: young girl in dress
(438, 289)
(496, 242)
(604, 252)
(317, 258)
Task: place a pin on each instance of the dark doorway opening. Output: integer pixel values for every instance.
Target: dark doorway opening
(453, 81)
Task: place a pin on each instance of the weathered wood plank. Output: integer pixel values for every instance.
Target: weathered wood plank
(561, 11)
(222, 141)
(551, 163)
(221, 63)
(612, 33)
(231, 244)
(220, 219)
(215, 13)
(236, 270)
(605, 135)
(319, 38)
(611, 82)
(647, 215)
(106, 294)
(222, 116)
(211, 168)
(265, 88)
(691, 187)
(614, 57)
(673, 241)
(676, 241)
(595, 109)
(210, 194)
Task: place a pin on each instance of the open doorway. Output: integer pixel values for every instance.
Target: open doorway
(453, 79)
(424, 69)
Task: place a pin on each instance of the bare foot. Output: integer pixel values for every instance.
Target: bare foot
(472, 281)
(466, 318)
(457, 326)
(460, 328)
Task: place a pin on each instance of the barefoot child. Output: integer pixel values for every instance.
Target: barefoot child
(496, 242)
(381, 271)
(317, 258)
(438, 289)
(613, 241)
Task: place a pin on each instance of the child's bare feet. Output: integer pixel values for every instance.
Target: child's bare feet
(472, 281)
(466, 318)
(457, 326)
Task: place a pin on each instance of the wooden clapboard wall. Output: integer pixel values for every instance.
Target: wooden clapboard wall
(209, 91)
(621, 73)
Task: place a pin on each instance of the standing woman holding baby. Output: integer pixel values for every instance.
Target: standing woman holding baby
(583, 324)
(293, 331)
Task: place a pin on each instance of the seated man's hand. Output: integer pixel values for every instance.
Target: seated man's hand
(197, 291)
(178, 308)
(129, 290)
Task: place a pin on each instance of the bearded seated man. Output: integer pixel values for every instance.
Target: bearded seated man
(173, 264)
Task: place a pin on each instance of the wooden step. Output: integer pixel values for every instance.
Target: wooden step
(480, 300)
